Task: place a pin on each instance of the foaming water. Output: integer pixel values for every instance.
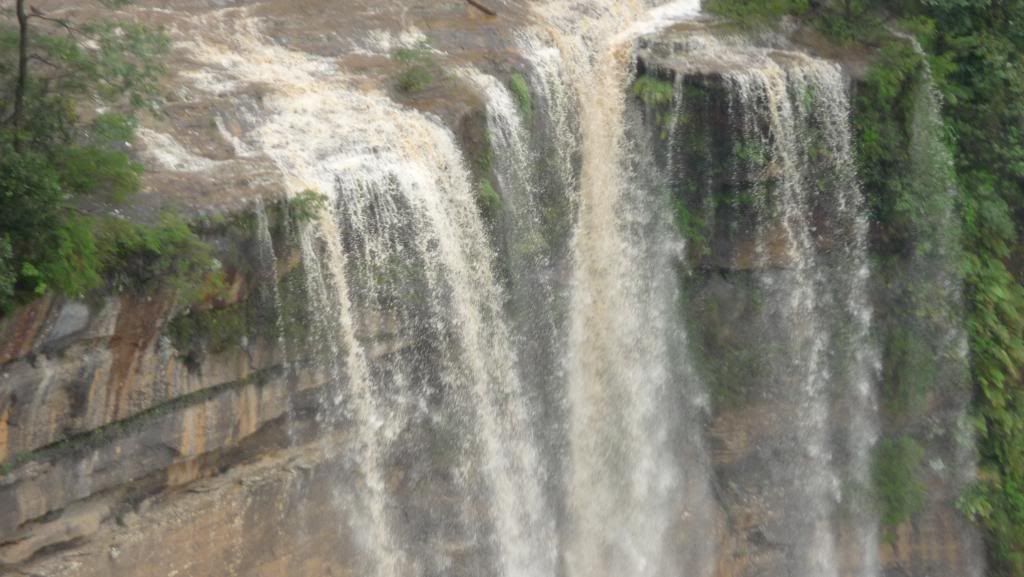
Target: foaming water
(400, 200)
(626, 351)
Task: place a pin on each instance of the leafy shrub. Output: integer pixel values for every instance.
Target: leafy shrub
(415, 78)
(80, 253)
(200, 332)
(753, 12)
(999, 508)
(146, 258)
(653, 91)
(419, 71)
(92, 170)
(71, 262)
(50, 156)
(408, 55)
(306, 205)
(899, 492)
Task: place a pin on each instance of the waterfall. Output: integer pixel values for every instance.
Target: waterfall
(788, 216)
(626, 367)
(402, 239)
(532, 226)
(529, 393)
(527, 237)
(268, 274)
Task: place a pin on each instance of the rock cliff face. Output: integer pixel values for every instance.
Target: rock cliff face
(141, 438)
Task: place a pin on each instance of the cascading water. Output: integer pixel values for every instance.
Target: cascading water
(626, 365)
(268, 276)
(527, 238)
(401, 216)
(797, 232)
(540, 407)
(532, 228)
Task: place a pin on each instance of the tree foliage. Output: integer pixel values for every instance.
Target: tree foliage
(69, 92)
(977, 48)
(749, 12)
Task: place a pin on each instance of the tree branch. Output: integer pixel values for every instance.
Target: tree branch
(37, 13)
(42, 60)
(17, 117)
(483, 8)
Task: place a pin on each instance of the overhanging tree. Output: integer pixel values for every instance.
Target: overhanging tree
(69, 92)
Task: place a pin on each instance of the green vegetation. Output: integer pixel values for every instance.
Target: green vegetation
(418, 53)
(904, 166)
(653, 91)
(305, 206)
(751, 153)
(899, 492)
(657, 94)
(419, 71)
(728, 361)
(489, 199)
(844, 21)
(57, 157)
(521, 91)
(999, 506)
(198, 333)
(885, 111)
(691, 226)
(268, 307)
(484, 160)
(415, 78)
(751, 12)
(977, 53)
(145, 258)
(8, 276)
(910, 368)
(240, 228)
